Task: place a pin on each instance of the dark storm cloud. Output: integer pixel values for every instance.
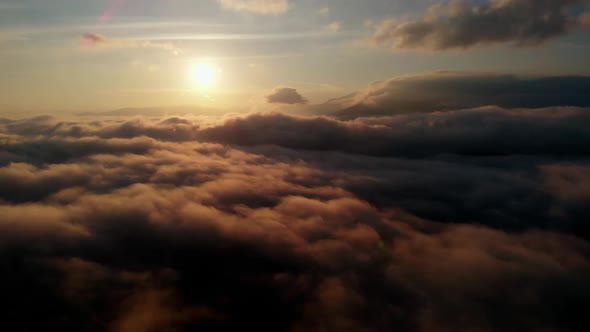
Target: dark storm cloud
(443, 91)
(464, 24)
(302, 224)
(285, 96)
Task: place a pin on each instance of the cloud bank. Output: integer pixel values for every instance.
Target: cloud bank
(462, 206)
(286, 223)
(443, 91)
(464, 24)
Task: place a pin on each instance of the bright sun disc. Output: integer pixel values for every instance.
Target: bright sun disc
(204, 75)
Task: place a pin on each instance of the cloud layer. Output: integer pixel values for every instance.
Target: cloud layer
(284, 223)
(443, 91)
(464, 24)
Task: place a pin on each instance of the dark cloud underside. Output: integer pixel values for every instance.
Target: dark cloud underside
(443, 91)
(465, 24)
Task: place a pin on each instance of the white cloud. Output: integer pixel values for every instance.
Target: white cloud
(324, 11)
(257, 6)
(333, 27)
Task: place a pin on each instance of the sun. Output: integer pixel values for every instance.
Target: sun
(204, 75)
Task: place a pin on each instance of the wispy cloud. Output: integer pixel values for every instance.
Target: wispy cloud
(333, 27)
(237, 36)
(324, 11)
(95, 40)
(256, 6)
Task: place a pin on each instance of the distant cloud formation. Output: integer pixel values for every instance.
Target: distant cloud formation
(283, 223)
(442, 91)
(490, 131)
(324, 11)
(333, 27)
(95, 40)
(462, 24)
(257, 6)
(288, 96)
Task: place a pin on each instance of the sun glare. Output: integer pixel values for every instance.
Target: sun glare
(204, 75)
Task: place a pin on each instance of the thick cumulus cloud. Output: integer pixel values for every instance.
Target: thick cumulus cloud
(441, 91)
(467, 220)
(463, 24)
(288, 96)
(256, 6)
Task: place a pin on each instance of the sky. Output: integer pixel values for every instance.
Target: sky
(322, 48)
(294, 165)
